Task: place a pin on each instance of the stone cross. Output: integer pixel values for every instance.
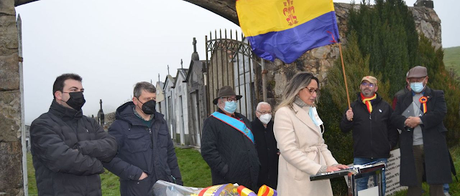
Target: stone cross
(194, 44)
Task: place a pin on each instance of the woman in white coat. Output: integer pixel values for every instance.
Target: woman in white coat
(300, 141)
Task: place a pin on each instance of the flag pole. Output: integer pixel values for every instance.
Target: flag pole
(344, 75)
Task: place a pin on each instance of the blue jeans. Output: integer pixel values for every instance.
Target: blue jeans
(446, 188)
(361, 183)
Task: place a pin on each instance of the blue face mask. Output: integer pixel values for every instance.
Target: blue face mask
(314, 116)
(417, 87)
(230, 106)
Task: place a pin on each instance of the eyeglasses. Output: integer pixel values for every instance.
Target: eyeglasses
(367, 84)
(312, 90)
(230, 98)
(264, 112)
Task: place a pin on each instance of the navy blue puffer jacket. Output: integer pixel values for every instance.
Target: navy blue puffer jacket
(142, 148)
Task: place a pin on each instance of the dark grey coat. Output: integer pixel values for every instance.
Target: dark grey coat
(231, 156)
(142, 148)
(67, 150)
(437, 165)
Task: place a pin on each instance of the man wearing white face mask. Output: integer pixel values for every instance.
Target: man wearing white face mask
(262, 127)
(227, 143)
(423, 139)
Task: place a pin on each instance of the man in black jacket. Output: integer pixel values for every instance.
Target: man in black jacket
(268, 152)
(423, 136)
(145, 149)
(68, 149)
(373, 134)
(227, 144)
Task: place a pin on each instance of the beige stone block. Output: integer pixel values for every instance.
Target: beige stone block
(280, 84)
(7, 7)
(9, 72)
(10, 115)
(11, 167)
(8, 35)
(321, 52)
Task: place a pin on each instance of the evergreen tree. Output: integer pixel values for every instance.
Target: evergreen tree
(387, 34)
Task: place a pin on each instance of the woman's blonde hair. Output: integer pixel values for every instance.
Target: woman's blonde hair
(297, 83)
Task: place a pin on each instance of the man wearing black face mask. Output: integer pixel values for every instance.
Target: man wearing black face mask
(145, 149)
(68, 148)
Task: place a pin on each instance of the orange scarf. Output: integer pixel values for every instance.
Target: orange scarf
(367, 101)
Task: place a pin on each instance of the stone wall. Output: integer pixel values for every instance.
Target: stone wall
(11, 182)
(320, 60)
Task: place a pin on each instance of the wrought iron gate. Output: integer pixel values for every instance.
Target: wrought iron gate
(229, 62)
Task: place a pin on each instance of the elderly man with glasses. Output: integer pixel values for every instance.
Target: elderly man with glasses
(227, 144)
(262, 127)
(373, 134)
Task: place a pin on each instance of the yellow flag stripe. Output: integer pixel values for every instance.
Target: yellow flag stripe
(262, 16)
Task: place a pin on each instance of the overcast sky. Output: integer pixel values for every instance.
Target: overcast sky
(113, 44)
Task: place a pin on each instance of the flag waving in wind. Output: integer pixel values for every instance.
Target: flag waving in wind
(285, 29)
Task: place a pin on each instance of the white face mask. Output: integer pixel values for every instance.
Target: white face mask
(265, 118)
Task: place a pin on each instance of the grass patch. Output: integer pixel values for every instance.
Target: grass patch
(452, 59)
(31, 176)
(110, 184)
(195, 173)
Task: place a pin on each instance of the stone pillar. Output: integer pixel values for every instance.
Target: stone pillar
(11, 176)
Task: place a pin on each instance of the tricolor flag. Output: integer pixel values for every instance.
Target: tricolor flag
(265, 190)
(286, 29)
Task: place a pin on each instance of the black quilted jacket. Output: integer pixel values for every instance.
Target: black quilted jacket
(68, 150)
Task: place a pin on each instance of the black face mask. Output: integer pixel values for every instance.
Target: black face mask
(148, 107)
(76, 100)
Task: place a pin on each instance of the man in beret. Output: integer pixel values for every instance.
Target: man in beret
(373, 134)
(422, 139)
(227, 143)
